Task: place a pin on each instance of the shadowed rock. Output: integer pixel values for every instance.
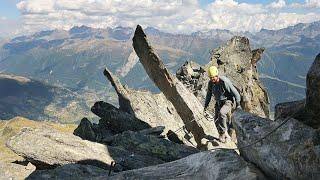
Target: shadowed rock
(205, 165)
(188, 107)
(85, 130)
(313, 94)
(294, 109)
(48, 148)
(70, 172)
(291, 152)
(151, 146)
(118, 120)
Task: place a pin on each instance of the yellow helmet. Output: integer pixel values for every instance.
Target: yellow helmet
(213, 71)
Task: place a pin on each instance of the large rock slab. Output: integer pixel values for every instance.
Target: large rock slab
(70, 172)
(290, 152)
(48, 148)
(187, 105)
(15, 171)
(313, 94)
(221, 164)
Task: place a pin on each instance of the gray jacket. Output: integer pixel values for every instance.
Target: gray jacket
(224, 90)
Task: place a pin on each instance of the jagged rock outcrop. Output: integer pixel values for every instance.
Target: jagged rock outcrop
(188, 107)
(153, 109)
(189, 74)
(220, 164)
(195, 78)
(290, 152)
(48, 148)
(70, 172)
(313, 94)
(236, 61)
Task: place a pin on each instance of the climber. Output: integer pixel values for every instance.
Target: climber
(226, 96)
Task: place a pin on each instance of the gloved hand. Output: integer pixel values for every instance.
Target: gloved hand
(239, 107)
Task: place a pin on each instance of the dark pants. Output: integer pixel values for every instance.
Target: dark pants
(222, 111)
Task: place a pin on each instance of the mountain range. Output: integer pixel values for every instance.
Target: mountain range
(75, 59)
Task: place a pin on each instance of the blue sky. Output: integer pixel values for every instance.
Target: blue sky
(182, 16)
(8, 9)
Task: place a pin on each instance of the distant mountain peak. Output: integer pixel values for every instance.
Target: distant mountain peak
(80, 29)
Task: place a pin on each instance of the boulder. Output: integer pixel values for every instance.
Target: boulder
(116, 119)
(48, 148)
(290, 152)
(220, 164)
(313, 94)
(85, 130)
(188, 107)
(151, 146)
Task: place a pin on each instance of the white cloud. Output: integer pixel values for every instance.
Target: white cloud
(278, 5)
(311, 4)
(181, 16)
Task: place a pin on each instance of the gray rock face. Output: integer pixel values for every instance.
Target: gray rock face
(236, 61)
(47, 148)
(291, 152)
(188, 107)
(70, 172)
(205, 165)
(313, 94)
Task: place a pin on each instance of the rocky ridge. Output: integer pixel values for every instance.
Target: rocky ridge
(130, 137)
